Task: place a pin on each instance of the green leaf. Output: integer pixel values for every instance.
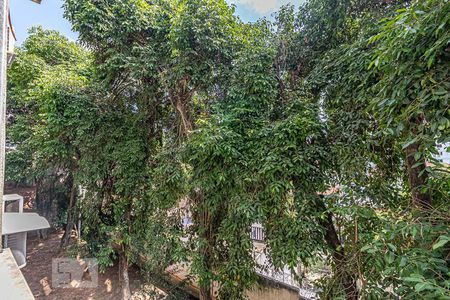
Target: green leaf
(409, 143)
(422, 286)
(413, 279)
(440, 243)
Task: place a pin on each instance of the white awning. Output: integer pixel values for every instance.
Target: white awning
(22, 222)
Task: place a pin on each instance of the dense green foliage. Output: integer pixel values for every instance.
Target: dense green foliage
(49, 111)
(48, 74)
(323, 125)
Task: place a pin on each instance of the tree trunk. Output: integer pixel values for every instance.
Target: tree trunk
(43, 234)
(203, 221)
(205, 293)
(416, 169)
(45, 198)
(332, 239)
(123, 275)
(205, 290)
(70, 214)
(181, 106)
(417, 177)
(181, 98)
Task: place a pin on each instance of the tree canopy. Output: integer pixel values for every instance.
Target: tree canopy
(322, 124)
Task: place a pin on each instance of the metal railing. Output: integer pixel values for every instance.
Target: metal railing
(285, 277)
(263, 268)
(257, 233)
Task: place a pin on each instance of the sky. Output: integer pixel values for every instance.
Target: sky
(49, 14)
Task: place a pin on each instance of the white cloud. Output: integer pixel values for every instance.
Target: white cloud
(264, 7)
(260, 6)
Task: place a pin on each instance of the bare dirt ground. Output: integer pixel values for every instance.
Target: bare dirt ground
(38, 274)
(38, 271)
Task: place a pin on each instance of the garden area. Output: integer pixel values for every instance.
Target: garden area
(173, 133)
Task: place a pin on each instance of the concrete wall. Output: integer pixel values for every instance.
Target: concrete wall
(272, 293)
(270, 290)
(265, 290)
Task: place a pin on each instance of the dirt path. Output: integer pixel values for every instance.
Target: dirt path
(38, 273)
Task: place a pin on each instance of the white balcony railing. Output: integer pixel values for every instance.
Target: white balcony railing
(257, 233)
(285, 276)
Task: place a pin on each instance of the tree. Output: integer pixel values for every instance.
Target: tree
(295, 124)
(370, 127)
(159, 70)
(49, 113)
(413, 60)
